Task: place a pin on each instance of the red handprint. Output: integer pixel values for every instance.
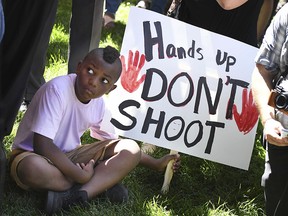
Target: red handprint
(249, 114)
(129, 75)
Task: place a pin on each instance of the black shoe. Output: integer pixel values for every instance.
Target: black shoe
(117, 194)
(64, 200)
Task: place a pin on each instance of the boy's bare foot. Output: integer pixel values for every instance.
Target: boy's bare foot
(163, 161)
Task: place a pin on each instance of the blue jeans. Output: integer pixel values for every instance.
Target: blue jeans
(112, 6)
(2, 24)
(158, 6)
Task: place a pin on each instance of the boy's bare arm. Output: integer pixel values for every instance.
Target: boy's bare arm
(159, 164)
(45, 146)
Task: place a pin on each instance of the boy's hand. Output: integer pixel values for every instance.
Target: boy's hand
(172, 167)
(162, 162)
(88, 169)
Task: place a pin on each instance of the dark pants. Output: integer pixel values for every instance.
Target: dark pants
(275, 180)
(85, 30)
(25, 23)
(85, 34)
(28, 26)
(25, 27)
(36, 76)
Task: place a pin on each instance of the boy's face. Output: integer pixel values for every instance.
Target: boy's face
(95, 77)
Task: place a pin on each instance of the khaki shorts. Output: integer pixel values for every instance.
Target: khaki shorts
(82, 154)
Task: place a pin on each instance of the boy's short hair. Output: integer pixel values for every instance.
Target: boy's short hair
(110, 54)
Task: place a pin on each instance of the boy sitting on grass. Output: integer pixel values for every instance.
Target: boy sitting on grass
(47, 154)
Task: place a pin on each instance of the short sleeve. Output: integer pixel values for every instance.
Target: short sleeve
(48, 114)
(273, 51)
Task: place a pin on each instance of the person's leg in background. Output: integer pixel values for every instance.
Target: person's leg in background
(36, 77)
(2, 150)
(85, 30)
(275, 180)
(2, 23)
(25, 22)
(111, 8)
(159, 6)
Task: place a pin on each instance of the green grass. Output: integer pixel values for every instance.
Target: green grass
(200, 187)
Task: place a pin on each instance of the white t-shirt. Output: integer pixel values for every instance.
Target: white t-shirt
(55, 112)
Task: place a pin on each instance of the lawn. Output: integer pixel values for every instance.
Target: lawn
(200, 187)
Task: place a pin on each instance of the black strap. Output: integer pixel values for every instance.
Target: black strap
(279, 77)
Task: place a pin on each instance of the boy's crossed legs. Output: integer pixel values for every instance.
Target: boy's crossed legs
(112, 161)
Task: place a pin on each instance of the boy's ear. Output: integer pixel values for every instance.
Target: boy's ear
(78, 67)
(112, 88)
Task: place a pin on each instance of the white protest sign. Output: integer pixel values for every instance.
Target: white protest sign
(188, 83)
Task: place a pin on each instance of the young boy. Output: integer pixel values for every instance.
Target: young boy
(47, 154)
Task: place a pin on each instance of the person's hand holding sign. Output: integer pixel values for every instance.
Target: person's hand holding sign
(130, 74)
(249, 114)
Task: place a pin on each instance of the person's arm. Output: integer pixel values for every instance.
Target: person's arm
(264, 17)
(261, 86)
(78, 173)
